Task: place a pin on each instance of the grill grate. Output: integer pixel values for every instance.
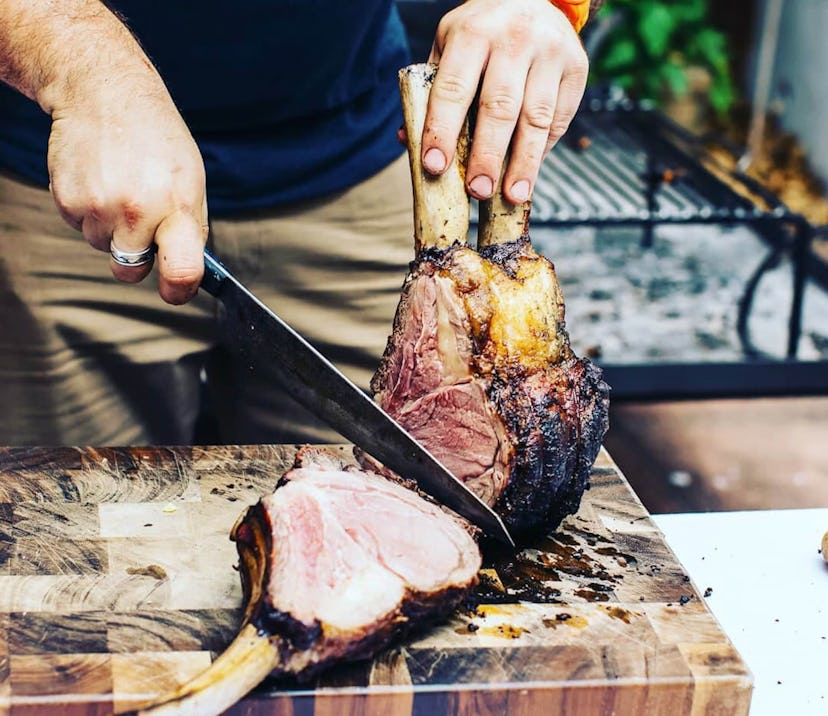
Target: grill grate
(623, 163)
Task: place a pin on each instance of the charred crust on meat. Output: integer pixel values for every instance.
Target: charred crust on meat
(434, 256)
(275, 622)
(561, 432)
(253, 538)
(508, 255)
(418, 613)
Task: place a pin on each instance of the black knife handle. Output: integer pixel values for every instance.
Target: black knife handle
(214, 274)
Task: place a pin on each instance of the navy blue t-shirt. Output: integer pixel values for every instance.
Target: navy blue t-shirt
(287, 99)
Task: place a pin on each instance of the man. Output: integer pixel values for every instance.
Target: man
(292, 108)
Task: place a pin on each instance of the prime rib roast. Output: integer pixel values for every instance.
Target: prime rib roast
(479, 367)
(340, 561)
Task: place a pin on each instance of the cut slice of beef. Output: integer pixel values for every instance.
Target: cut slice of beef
(478, 366)
(351, 559)
(335, 564)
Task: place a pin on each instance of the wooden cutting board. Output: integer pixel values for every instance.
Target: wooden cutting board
(117, 582)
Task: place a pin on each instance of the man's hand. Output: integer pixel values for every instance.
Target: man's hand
(533, 70)
(125, 171)
(123, 166)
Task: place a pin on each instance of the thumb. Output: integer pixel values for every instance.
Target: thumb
(180, 256)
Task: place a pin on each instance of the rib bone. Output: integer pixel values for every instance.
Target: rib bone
(441, 204)
(501, 221)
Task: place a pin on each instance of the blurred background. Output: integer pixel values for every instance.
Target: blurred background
(686, 214)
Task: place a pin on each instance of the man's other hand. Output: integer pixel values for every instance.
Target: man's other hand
(531, 69)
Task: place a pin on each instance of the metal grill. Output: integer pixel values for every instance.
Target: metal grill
(623, 163)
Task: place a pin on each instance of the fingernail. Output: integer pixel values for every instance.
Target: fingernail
(434, 160)
(481, 186)
(520, 191)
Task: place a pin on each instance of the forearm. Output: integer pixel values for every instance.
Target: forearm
(123, 167)
(55, 50)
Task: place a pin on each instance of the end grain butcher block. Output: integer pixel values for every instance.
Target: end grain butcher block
(117, 583)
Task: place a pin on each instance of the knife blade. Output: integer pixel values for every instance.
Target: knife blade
(317, 384)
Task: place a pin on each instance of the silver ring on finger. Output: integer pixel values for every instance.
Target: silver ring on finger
(132, 258)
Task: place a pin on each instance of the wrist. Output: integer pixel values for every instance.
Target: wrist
(101, 94)
(111, 65)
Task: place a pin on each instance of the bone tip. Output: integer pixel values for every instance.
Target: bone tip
(423, 71)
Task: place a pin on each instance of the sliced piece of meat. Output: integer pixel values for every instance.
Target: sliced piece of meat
(352, 560)
(335, 564)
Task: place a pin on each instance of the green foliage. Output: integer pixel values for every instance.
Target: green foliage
(649, 50)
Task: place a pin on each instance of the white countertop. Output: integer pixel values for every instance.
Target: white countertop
(770, 594)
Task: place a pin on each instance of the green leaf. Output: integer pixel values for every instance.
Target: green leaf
(650, 86)
(619, 54)
(648, 52)
(709, 47)
(689, 12)
(675, 78)
(656, 24)
(722, 94)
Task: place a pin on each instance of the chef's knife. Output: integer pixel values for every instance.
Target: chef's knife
(318, 385)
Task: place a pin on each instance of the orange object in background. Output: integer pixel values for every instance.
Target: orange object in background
(577, 11)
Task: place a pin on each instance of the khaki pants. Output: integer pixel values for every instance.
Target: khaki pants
(85, 360)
